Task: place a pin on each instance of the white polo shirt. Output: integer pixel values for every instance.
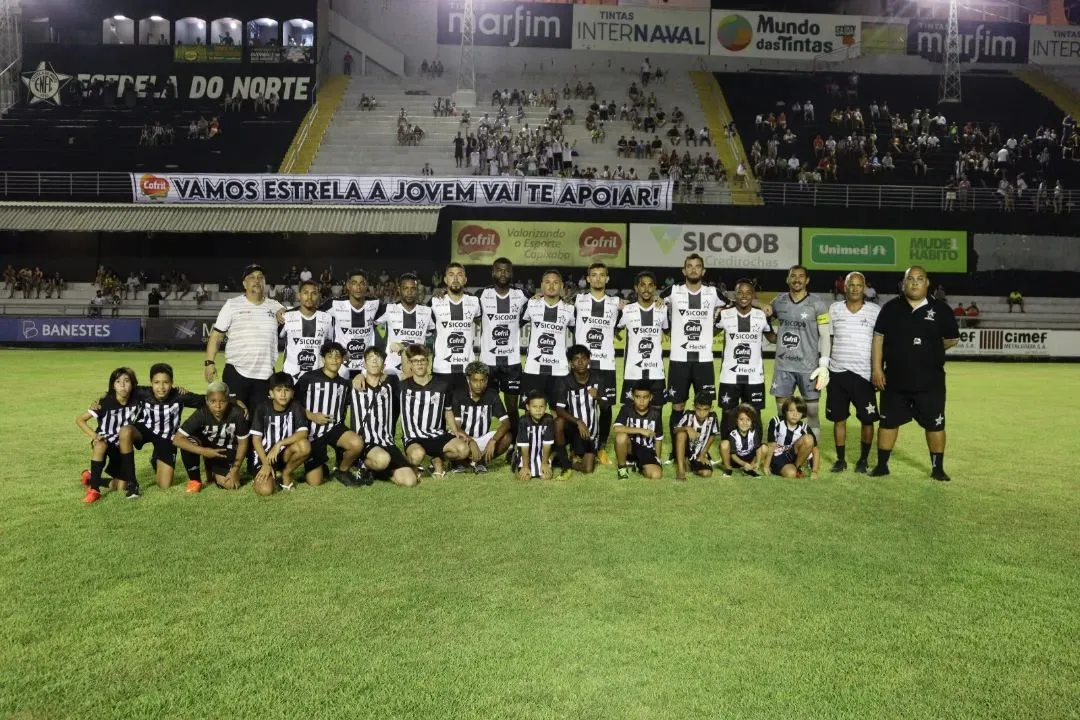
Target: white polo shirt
(252, 332)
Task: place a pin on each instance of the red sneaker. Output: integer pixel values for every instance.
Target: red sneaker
(194, 486)
(92, 496)
(86, 478)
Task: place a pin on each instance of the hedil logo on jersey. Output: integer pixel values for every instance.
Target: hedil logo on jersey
(597, 241)
(154, 187)
(477, 240)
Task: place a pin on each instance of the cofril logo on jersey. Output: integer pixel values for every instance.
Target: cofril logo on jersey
(43, 84)
(636, 29)
(721, 246)
(507, 24)
(786, 36)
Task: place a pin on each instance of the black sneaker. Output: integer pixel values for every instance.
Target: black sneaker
(838, 466)
(880, 471)
(346, 478)
(752, 473)
(940, 476)
(624, 474)
(132, 491)
(726, 471)
(861, 467)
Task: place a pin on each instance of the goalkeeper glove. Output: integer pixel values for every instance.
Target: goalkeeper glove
(821, 374)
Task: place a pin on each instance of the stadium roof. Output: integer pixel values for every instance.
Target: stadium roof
(107, 217)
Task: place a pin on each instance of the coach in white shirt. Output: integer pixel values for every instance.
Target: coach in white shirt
(250, 321)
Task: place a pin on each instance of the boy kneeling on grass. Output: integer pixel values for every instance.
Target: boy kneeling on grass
(792, 442)
(639, 434)
(694, 436)
(579, 398)
(536, 435)
(216, 434)
(280, 429)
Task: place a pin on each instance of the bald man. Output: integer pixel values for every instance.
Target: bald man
(911, 336)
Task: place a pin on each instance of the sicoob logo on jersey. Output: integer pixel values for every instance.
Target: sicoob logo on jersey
(692, 329)
(501, 335)
(306, 359)
(790, 340)
(742, 354)
(595, 338)
(456, 342)
(546, 343)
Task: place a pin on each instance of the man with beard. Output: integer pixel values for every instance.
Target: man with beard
(500, 336)
(454, 315)
(596, 315)
(645, 322)
(305, 330)
(406, 323)
(354, 321)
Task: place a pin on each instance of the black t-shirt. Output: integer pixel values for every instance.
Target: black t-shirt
(210, 432)
(914, 351)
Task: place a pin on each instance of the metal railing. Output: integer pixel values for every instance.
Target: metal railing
(59, 186)
(915, 197)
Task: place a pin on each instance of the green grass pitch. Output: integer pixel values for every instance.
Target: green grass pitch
(481, 597)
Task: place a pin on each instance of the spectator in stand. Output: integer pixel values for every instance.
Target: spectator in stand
(116, 300)
(132, 286)
(972, 315)
(838, 288)
(427, 170)
(305, 274)
(153, 301)
(959, 313)
(96, 304)
(870, 293)
(347, 61)
(1015, 298)
(201, 295)
(183, 287)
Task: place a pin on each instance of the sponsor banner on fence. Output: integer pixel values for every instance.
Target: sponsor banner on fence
(721, 246)
(207, 53)
(508, 24)
(980, 42)
(388, 191)
(1054, 45)
(638, 29)
(70, 330)
(288, 54)
(177, 331)
(782, 36)
(884, 250)
(1018, 343)
(551, 244)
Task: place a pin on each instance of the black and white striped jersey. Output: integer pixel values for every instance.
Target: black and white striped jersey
(272, 426)
(786, 436)
(705, 429)
(354, 327)
(455, 332)
(373, 411)
(500, 326)
(594, 327)
(323, 394)
(692, 316)
(548, 325)
(572, 395)
(645, 328)
(475, 416)
(531, 438)
(111, 416)
(744, 445)
(744, 336)
(208, 431)
(303, 338)
(407, 327)
(162, 417)
(423, 409)
(629, 417)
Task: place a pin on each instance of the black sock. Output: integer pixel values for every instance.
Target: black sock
(673, 422)
(192, 464)
(96, 467)
(840, 453)
(128, 460)
(605, 426)
(561, 458)
(883, 457)
(864, 451)
(937, 462)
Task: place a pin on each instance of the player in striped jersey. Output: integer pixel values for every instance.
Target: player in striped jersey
(548, 319)
(406, 323)
(744, 447)
(596, 315)
(536, 435)
(580, 399)
(354, 321)
(305, 329)
(374, 397)
(280, 429)
(218, 434)
(325, 396)
(426, 415)
(500, 336)
(742, 372)
(454, 316)
(852, 320)
(792, 442)
(639, 434)
(155, 420)
(645, 321)
(113, 411)
(695, 434)
(474, 410)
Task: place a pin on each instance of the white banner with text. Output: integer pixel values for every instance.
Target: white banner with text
(1018, 343)
(529, 192)
(639, 29)
(1054, 45)
(783, 36)
(721, 246)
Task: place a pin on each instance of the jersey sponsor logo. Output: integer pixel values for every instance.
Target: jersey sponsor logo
(595, 338)
(591, 320)
(742, 354)
(546, 343)
(307, 341)
(500, 335)
(456, 343)
(692, 330)
(455, 324)
(743, 335)
(554, 327)
(502, 317)
(306, 359)
(356, 348)
(347, 331)
(790, 340)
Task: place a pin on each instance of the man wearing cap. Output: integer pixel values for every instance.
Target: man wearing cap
(251, 323)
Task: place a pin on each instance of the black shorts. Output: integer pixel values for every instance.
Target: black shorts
(453, 381)
(320, 444)
(641, 455)
(505, 378)
(114, 463)
(220, 466)
(657, 387)
(731, 396)
(164, 450)
(683, 375)
(846, 389)
(779, 461)
(397, 458)
(250, 391)
(579, 445)
(277, 466)
(433, 447)
(926, 407)
(698, 466)
(539, 383)
(607, 382)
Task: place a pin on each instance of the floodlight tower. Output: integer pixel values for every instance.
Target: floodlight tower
(466, 87)
(10, 54)
(949, 87)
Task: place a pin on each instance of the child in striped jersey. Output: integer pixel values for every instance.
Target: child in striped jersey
(743, 447)
(112, 413)
(694, 435)
(792, 442)
(536, 435)
(280, 431)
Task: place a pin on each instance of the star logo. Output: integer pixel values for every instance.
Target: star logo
(725, 398)
(939, 420)
(803, 315)
(930, 315)
(870, 409)
(44, 84)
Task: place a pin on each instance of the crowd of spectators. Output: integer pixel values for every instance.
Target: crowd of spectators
(30, 283)
(431, 69)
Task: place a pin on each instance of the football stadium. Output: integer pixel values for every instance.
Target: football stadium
(524, 359)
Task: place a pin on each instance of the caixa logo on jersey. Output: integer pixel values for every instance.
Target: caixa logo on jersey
(508, 24)
(194, 86)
